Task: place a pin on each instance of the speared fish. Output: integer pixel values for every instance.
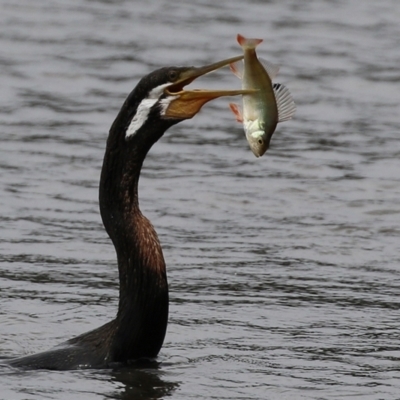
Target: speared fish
(270, 104)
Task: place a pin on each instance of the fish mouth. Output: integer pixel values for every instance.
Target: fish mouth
(187, 103)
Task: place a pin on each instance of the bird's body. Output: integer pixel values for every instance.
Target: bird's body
(138, 331)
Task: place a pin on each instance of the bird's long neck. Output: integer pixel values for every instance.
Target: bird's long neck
(143, 304)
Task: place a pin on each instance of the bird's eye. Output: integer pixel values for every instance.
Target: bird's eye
(173, 75)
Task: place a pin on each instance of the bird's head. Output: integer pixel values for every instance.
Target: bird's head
(160, 101)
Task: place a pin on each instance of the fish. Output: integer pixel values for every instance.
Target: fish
(263, 109)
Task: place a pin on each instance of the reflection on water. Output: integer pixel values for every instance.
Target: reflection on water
(141, 383)
(128, 383)
(283, 270)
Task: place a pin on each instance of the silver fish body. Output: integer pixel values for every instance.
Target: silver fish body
(263, 109)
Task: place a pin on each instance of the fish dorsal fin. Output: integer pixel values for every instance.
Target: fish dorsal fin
(238, 67)
(272, 69)
(284, 102)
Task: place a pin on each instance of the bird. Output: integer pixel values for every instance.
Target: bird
(158, 102)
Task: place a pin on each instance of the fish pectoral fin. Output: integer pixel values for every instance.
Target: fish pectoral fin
(236, 110)
(284, 102)
(272, 69)
(237, 69)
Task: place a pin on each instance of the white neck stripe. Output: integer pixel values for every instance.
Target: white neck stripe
(140, 117)
(143, 110)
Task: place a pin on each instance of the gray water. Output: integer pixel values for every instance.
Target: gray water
(284, 271)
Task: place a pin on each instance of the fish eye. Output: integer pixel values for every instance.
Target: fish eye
(173, 75)
(260, 141)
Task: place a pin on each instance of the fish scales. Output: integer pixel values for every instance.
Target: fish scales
(261, 111)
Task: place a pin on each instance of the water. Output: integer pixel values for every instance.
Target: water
(284, 271)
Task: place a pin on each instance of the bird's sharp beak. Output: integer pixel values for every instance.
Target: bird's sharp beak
(187, 103)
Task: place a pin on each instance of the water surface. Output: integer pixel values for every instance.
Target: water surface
(284, 271)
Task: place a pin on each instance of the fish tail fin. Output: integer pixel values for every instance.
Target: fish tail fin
(248, 43)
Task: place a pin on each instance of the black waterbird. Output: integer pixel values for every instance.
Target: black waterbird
(157, 102)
